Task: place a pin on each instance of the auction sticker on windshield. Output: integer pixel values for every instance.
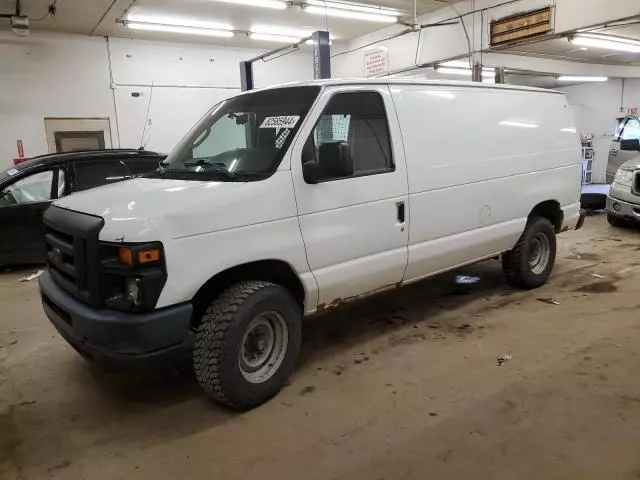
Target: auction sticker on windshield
(288, 121)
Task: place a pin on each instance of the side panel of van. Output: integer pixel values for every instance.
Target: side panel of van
(479, 160)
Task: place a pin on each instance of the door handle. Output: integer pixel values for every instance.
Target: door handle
(401, 212)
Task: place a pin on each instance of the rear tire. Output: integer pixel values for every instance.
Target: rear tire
(616, 221)
(529, 264)
(247, 344)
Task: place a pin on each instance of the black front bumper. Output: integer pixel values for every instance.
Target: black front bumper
(114, 337)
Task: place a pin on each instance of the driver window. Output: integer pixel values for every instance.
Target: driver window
(228, 133)
(350, 139)
(31, 189)
(631, 130)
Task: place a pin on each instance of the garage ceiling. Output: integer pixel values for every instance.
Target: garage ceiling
(98, 17)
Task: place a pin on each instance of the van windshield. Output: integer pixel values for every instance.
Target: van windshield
(241, 139)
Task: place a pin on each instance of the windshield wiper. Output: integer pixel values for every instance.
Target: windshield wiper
(211, 167)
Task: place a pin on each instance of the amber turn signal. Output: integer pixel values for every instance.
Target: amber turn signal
(149, 256)
(125, 255)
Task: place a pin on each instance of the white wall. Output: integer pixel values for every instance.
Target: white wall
(596, 106)
(49, 76)
(57, 75)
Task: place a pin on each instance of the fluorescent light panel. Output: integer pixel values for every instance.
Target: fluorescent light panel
(573, 78)
(276, 30)
(177, 29)
(277, 4)
(355, 8)
(606, 42)
(273, 33)
(177, 21)
(267, 37)
(356, 15)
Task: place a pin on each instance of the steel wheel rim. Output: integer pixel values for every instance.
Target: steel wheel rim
(539, 253)
(263, 347)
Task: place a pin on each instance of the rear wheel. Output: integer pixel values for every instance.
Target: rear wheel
(616, 221)
(530, 262)
(247, 344)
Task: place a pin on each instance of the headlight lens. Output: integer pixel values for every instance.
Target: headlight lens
(624, 177)
(132, 275)
(134, 292)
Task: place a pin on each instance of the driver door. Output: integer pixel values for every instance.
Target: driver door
(22, 204)
(354, 218)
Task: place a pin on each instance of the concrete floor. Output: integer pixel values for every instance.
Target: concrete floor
(402, 386)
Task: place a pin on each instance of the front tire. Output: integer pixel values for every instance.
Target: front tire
(616, 221)
(530, 262)
(247, 344)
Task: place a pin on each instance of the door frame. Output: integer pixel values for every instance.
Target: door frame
(76, 124)
(336, 284)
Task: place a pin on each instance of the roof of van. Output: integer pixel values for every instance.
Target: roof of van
(407, 81)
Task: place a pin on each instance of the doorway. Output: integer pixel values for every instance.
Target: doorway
(74, 134)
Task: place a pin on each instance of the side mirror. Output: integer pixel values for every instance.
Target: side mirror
(632, 145)
(334, 161)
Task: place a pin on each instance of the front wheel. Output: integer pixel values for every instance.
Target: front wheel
(247, 344)
(616, 221)
(530, 262)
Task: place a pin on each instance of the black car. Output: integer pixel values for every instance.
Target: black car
(27, 189)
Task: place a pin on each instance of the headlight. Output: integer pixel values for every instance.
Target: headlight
(133, 291)
(624, 177)
(132, 275)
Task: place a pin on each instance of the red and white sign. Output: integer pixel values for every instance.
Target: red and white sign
(376, 61)
(20, 157)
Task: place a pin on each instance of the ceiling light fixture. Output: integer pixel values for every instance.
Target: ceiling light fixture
(277, 4)
(353, 7)
(357, 12)
(273, 33)
(606, 42)
(177, 21)
(178, 29)
(276, 30)
(574, 78)
(266, 37)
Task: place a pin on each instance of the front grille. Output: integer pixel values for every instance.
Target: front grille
(636, 182)
(72, 252)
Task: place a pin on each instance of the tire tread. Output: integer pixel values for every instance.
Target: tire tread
(513, 260)
(215, 323)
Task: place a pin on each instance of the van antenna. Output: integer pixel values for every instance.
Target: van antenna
(146, 121)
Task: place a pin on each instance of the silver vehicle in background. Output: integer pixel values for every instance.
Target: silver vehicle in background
(623, 148)
(623, 172)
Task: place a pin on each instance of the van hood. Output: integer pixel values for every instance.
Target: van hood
(633, 164)
(150, 209)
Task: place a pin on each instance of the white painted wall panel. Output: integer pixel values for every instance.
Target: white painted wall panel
(173, 112)
(49, 76)
(57, 75)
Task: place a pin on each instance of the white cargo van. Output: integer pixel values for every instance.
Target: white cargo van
(293, 200)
